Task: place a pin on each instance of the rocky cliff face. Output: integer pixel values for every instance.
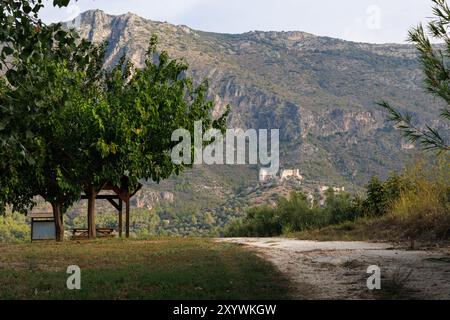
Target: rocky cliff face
(149, 199)
(320, 92)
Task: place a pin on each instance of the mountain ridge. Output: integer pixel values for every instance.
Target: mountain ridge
(293, 31)
(319, 91)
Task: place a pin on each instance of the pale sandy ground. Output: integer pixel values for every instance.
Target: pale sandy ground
(337, 270)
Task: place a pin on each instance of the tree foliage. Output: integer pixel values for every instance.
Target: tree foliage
(45, 68)
(296, 213)
(68, 126)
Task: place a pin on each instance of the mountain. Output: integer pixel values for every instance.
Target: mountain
(320, 92)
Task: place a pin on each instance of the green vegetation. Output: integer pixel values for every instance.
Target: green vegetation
(435, 62)
(85, 126)
(13, 228)
(154, 269)
(144, 223)
(419, 212)
(39, 154)
(294, 214)
(413, 205)
(47, 70)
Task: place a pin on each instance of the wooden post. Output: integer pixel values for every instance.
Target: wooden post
(120, 218)
(92, 231)
(32, 223)
(127, 217)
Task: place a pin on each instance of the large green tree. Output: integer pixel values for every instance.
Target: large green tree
(436, 65)
(51, 119)
(67, 126)
(45, 69)
(144, 107)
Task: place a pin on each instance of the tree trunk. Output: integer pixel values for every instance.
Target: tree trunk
(59, 224)
(127, 217)
(92, 194)
(120, 218)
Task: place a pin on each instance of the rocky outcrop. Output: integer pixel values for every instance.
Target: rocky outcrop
(148, 199)
(320, 92)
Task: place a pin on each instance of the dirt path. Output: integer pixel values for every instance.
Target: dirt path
(337, 270)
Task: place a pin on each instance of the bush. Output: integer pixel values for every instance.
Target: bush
(342, 207)
(289, 215)
(382, 195)
(260, 221)
(297, 214)
(424, 210)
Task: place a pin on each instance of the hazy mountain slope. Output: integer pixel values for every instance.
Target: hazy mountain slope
(319, 91)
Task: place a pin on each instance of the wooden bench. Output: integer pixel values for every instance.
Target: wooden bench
(84, 233)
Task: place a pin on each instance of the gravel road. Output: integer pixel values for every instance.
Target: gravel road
(338, 269)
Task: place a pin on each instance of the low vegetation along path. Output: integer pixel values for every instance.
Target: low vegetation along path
(338, 270)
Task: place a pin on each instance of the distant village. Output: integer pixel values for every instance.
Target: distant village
(294, 175)
(265, 175)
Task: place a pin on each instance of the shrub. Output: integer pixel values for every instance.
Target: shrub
(341, 207)
(297, 213)
(424, 210)
(293, 214)
(381, 195)
(260, 221)
(411, 205)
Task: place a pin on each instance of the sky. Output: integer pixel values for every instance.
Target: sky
(374, 21)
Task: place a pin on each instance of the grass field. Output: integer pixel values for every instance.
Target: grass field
(181, 268)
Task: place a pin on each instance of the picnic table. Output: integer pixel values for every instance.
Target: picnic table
(81, 233)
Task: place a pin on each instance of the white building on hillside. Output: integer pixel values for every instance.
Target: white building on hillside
(265, 175)
(287, 174)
